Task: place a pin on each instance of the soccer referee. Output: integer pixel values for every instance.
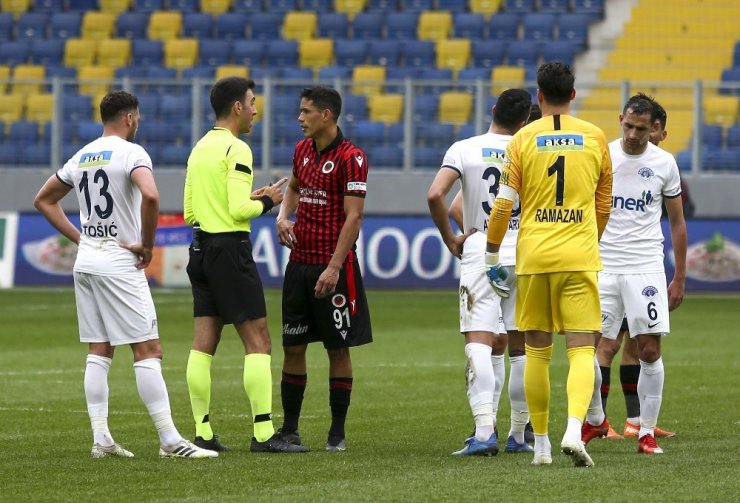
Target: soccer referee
(220, 204)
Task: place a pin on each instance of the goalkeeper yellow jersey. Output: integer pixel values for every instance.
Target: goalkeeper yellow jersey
(561, 168)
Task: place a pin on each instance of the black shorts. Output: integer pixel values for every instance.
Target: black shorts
(224, 278)
(341, 320)
(624, 325)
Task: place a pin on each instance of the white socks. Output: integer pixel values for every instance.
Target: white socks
(96, 395)
(481, 384)
(650, 393)
(519, 410)
(573, 430)
(153, 393)
(499, 378)
(595, 415)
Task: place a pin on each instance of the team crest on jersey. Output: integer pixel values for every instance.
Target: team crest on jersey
(339, 300)
(493, 155)
(92, 159)
(559, 142)
(650, 291)
(645, 173)
(328, 167)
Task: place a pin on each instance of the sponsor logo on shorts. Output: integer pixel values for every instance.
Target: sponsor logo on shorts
(650, 291)
(645, 173)
(299, 329)
(339, 300)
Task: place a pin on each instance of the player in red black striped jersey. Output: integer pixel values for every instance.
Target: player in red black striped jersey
(323, 295)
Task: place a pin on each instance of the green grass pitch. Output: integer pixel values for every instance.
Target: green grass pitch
(408, 413)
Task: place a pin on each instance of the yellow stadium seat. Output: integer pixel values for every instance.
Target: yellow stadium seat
(181, 53)
(453, 54)
(15, 7)
(434, 25)
(34, 74)
(485, 7)
(95, 102)
(224, 71)
(164, 25)
(11, 108)
(114, 53)
(509, 76)
(349, 7)
(4, 77)
(94, 79)
(98, 25)
(315, 53)
(299, 25)
(215, 7)
(79, 52)
(386, 108)
(40, 108)
(368, 79)
(455, 107)
(720, 110)
(115, 6)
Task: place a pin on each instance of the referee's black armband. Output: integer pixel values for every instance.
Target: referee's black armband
(267, 202)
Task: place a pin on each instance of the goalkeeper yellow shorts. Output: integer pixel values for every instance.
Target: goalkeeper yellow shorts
(558, 301)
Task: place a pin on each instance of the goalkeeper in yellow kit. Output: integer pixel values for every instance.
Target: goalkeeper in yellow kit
(561, 170)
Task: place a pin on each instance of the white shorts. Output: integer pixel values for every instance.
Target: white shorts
(642, 297)
(507, 319)
(115, 309)
(479, 304)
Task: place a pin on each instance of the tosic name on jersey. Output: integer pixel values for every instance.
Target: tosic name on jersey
(561, 215)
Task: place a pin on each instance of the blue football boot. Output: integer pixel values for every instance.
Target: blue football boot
(474, 447)
(513, 447)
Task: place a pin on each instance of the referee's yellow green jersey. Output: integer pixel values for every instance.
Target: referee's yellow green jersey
(561, 168)
(218, 184)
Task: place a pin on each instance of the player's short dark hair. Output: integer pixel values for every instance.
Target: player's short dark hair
(555, 80)
(512, 108)
(660, 114)
(323, 98)
(534, 113)
(227, 91)
(116, 103)
(642, 104)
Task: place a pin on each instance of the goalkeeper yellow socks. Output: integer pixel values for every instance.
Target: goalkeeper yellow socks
(258, 385)
(537, 386)
(580, 380)
(198, 376)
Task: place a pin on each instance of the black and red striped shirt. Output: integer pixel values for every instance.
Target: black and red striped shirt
(324, 179)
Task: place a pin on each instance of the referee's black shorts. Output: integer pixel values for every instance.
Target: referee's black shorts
(340, 320)
(224, 278)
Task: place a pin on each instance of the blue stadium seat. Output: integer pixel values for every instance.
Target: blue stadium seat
(488, 53)
(64, 72)
(233, 26)
(214, 52)
(433, 74)
(469, 25)
(384, 52)
(712, 136)
(354, 107)
(387, 156)
(521, 6)
(282, 156)
(329, 73)
(285, 108)
(185, 6)
(350, 52)
(504, 26)
(204, 72)
(434, 133)
(31, 25)
(84, 5)
(259, 73)
(23, 133)
(736, 56)
(266, 26)
(467, 131)
(9, 154)
(418, 5)
(87, 131)
(593, 8)
(730, 75)
(249, 53)
(523, 53)
(35, 155)
(148, 5)
(425, 108)
(383, 5)
(454, 5)
(174, 155)
(368, 25)
(288, 132)
(368, 133)
(248, 6)
(475, 73)
(419, 53)
(428, 157)
(319, 6)
(65, 25)
(147, 52)
(538, 26)
(132, 25)
(49, 6)
(197, 25)
(401, 25)
(284, 6)
(333, 25)
(47, 52)
(395, 134)
(174, 108)
(149, 106)
(733, 136)
(724, 159)
(6, 25)
(131, 71)
(164, 76)
(255, 135)
(554, 6)
(282, 53)
(574, 28)
(399, 73)
(14, 52)
(155, 132)
(559, 50)
(297, 73)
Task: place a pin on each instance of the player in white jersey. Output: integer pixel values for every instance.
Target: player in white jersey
(633, 281)
(119, 206)
(477, 163)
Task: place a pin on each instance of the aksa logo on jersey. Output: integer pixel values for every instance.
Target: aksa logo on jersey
(493, 154)
(91, 159)
(559, 142)
(650, 291)
(645, 173)
(339, 300)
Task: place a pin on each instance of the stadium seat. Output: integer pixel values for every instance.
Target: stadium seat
(282, 156)
(473, 74)
(63, 72)
(294, 73)
(180, 53)
(132, 25)
(11, 108)
(455, 107)
(49, 6)
(429, 80)
(538, 26)
(164, 25)
(14, 52)
(433, 133)
(33, 75)
(299, 25)
(469, 25)
(386, 156)
(231, 71)
(15, 7)
(559, 50)
(47, 52)
(386, 108)
(65, 25)
(351, 53)
(425, 108)
(288, 131)
(79, 52)
(35, 155)
(508, 77)
(523, 52)
(401, 25)
(174, 155)
(434, 25)
(319, 6)
(369, 133)
(333, 25)
(316, 53)
(466, 131)
(213, 53)
(485, 7)
(418, 5)
(23, 133)
(176, 108)
(4, 77)
(418, 53)
(368, 79)
(733, 136)
(115, 7)
(203, 72)
(197, 25)
(284, 6)
(574, 29)
(285, 109)
(428, 157)
(488, 53)
(31, 25)
(385, 52)
(148, 52)
(329, 73)
(453, 54)
(249, 53)
(218, 7)
(6, 26)
(349, 7)
(77, 107)
(97, 25)
(554, 6)
(594, 8)
(40, 107)
(9, 154)
(184, 6)
(711, 136)
(368, 26)
(114, 53)
(282, 53)
(521, 6)
(504, 26)
(722, 110)
(266, 25)
(94, 80)
(354, 107)
(149, 5)
(383, 5)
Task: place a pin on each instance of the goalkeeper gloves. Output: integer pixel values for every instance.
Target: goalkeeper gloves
(497, 275)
